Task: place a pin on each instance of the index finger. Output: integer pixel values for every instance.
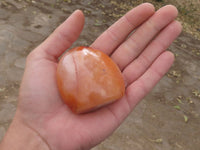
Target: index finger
(110, 39)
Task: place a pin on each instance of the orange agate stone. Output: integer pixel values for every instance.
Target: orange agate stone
(88, 79)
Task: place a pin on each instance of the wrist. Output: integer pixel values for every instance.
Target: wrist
(20, 136)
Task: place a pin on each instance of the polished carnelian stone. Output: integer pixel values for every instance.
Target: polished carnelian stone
(88, 79)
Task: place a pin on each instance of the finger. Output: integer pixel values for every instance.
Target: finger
(133, 46)
(118, 32)
(141, 87)
(135, 69)
(63, 37)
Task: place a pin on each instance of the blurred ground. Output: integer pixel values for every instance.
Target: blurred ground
(167, 119)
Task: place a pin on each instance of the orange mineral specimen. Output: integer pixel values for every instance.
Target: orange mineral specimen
(88, 79)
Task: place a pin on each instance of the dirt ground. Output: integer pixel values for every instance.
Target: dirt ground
(167, 119)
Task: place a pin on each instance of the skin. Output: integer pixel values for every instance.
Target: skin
(43, 121)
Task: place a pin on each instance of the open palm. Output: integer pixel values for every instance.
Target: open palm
(140, 55)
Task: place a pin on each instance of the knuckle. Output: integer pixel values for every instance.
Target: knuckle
(32, 56)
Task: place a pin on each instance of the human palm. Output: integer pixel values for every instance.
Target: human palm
(140, 56)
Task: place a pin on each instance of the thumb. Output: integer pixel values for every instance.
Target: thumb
(63, 37)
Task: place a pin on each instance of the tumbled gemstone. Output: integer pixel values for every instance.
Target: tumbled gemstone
(88, 79)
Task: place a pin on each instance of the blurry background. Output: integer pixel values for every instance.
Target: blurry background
(167, 119)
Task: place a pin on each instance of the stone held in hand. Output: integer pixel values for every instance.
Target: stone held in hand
(88, 79)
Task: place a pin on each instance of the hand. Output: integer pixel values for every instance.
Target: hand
(140, 55)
